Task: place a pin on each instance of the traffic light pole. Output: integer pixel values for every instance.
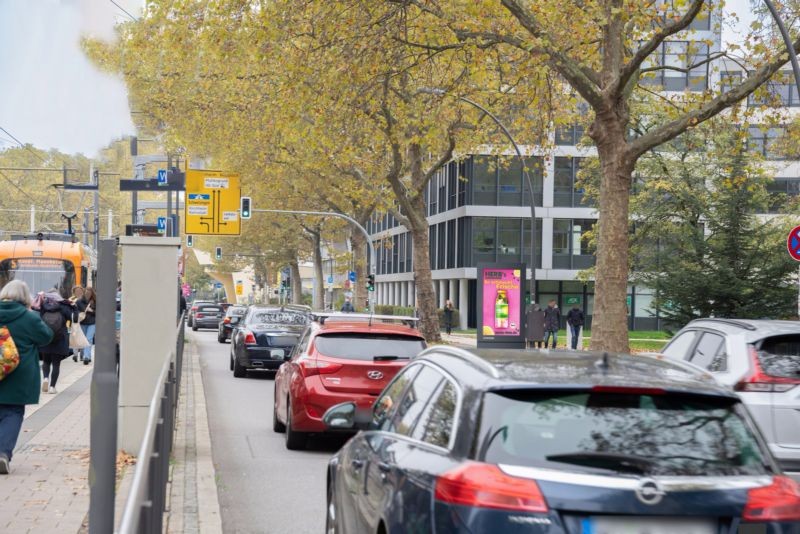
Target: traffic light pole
(352, 221)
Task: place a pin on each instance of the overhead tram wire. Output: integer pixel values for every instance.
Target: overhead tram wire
(23, 145)
(124, 11)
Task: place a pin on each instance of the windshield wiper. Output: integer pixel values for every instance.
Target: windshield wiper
(621, 462)
(388, 358)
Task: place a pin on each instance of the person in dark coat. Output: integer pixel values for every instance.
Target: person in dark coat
(575, 322)
(448, 316)
(347, 307)
(58, 349)
(21, 387)
(552, 322)
(87, 305)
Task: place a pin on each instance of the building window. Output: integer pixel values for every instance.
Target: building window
(483, 239)
(565, 192)
(780, 91)
(462, 183)
(462, 229)
(762, 140)
(780, 190)
(452, 185)
(432, 231)
(395, 254)
(510, 170)
(442, 176)
(504, 239)
(570, 247)
(441, 258)
(451, 244)
(569, 135)
(729, 79)
(680, 67)
(484, 180)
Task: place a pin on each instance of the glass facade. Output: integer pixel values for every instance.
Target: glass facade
(571, 248)
(684, 66)
(762, 140)
(565, 191)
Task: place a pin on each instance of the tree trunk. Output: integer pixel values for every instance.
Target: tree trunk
(610, 317)
(359, 244)
(318, 301)
(426, 297)
(297, 283)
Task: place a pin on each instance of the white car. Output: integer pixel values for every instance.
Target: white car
(760, 360)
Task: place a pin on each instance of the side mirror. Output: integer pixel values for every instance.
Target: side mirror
(347, 416)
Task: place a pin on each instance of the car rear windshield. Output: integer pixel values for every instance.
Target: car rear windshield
(780, 356)
(278, 317)
(369, 346)
(236, 312)
(214, 309)
(658, 434)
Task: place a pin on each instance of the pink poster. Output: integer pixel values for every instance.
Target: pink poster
(502, 291)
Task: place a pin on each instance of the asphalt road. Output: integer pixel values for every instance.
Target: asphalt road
(263, 487)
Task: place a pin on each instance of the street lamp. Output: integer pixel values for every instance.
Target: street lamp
(441, 92)
(786, 39)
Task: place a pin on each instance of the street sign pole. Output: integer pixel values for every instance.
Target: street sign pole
(372, 256)
(793, 247)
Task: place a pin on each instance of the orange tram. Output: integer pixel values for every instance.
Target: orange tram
(47, 261)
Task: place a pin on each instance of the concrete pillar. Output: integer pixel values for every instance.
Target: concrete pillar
(397, 300)
(148, 331)
(410, 290)
(442, 292)
(463, 303)
(547, 243)
(452, 292)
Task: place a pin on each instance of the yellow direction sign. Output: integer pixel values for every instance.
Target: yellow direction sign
(239, 288)
(212, 203)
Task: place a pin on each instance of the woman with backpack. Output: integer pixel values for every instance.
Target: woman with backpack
(21, 386)
(56, 313)
(86, 305)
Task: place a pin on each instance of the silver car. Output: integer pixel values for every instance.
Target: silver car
(760, 360)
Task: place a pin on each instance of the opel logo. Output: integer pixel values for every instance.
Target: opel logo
(374, 375)
(649, 492)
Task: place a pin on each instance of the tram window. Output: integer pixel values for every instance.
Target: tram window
(41, 274)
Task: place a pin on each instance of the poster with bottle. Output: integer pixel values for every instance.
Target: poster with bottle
(502, 297)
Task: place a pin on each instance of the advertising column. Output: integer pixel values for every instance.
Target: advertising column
(501, 305)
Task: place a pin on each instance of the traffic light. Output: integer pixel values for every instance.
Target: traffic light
(218, 253)
(245, 207)
(371, 282)
(189, 241)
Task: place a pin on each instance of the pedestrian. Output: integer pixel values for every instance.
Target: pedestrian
(87, 318)
(347, 307)
(21, 387)
(575, 322)
(448, 315)
(77, 294)
(57, 313)
(552, 322)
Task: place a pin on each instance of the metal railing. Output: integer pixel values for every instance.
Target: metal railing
(144, 508)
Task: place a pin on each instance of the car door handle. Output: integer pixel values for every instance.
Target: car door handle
(356, 463)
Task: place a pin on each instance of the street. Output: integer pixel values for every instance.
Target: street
(263, 487)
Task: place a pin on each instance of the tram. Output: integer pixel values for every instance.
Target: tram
(47, 261)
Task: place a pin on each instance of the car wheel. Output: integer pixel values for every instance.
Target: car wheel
(295, 441)
(277, 426)
(194, 328)
(231, 361)
(238, 370)
(221, 338)
(330, 517)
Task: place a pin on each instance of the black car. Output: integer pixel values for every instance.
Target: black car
(516, 441)
(207, 316)
(232, 317)
(264, 339)
(193, 309)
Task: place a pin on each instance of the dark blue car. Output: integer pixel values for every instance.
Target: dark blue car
(503, 441)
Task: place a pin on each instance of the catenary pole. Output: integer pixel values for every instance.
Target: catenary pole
(372, 257)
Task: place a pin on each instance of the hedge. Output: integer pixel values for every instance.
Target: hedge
(385, 309)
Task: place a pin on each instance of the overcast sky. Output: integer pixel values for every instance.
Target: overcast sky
(51, 96)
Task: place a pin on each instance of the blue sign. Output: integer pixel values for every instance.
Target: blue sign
(352, 276)
(162, 225)
(218, 285)
(330, 278)
(199, 196)
(162, 176)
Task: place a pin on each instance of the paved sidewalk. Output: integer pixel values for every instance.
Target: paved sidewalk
(48, 488)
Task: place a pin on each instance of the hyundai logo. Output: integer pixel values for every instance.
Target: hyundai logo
(649, 492)
(374, 375)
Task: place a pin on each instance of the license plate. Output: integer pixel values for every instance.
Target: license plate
(647, 525)
(277, 354)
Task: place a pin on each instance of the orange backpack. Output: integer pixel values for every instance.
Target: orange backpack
(9, 355)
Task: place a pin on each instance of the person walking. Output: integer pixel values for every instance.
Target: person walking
(552, 322)
(77, 294)
(86, 306)
(575, 323)
(56, 313)
(448, 315)
(347, 307)
(21, 387)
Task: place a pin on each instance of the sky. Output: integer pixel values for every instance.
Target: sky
(50, 94)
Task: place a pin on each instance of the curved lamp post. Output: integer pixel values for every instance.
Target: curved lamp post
(786, 39)
(442, 92)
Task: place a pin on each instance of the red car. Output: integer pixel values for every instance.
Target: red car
(339, 358)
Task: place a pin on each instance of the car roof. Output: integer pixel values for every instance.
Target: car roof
(752, 329)
(497, 369)
(365, 327)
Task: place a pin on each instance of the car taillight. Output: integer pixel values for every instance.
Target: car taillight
(780, 501)
(227, 320)
(199, 315)
(249, 338)
(486, 486)
(318, 367)
(760, 382)
(194, 308)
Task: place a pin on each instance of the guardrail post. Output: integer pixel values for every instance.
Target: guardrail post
(104, 395)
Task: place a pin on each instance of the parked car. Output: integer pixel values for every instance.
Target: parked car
(207, 316)
(265, 337)
(232, 317)
(340, 357)
(760, 360)
(196, 304)
(575, 442)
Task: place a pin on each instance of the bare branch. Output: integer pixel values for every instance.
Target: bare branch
(686, 70)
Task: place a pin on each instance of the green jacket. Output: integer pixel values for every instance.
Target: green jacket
(29, 333)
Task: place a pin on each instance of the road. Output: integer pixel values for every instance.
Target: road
(263, 487)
